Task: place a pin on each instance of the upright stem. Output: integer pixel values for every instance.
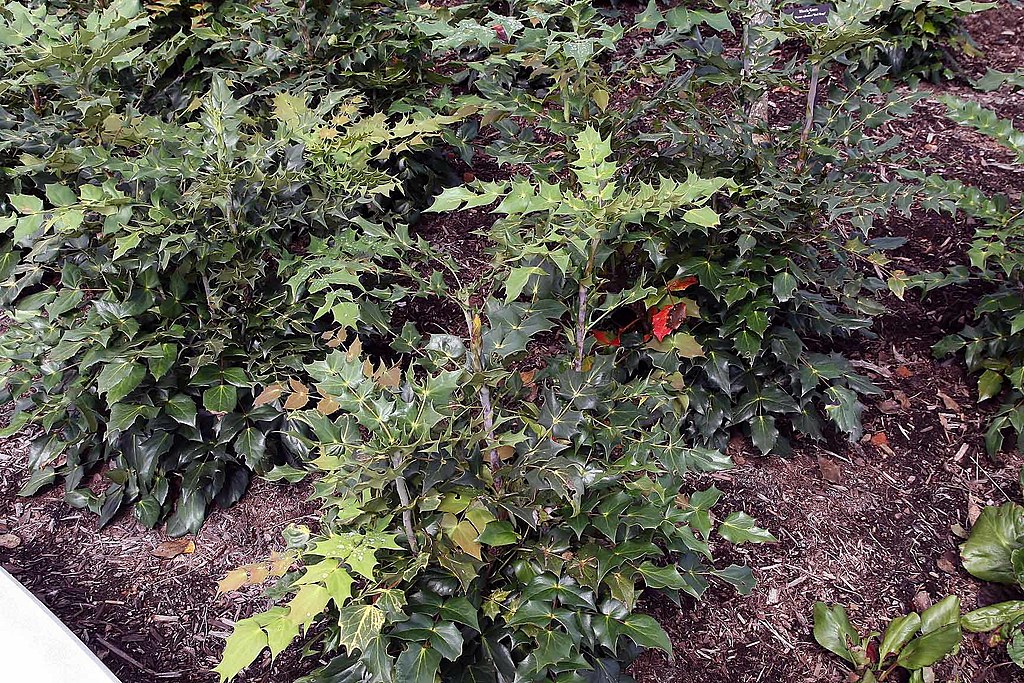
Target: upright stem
(812, 96)
(403, 495)
(584, 293)
(755, 53)
(307, 43)
(486, 407)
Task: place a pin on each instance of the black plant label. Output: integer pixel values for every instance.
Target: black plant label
(809, 14)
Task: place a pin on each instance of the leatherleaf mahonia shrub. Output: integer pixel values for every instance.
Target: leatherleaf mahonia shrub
(151, 264)
(487, 523)
(754, 295)
(992, 343)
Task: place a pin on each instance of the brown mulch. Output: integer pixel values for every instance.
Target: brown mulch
(874, 525)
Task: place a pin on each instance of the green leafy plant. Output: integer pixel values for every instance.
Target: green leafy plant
(913, 642)
(150, 268)
(992, 344)
(923, 37)
(791, 269)
(467, 539)
(994, 551)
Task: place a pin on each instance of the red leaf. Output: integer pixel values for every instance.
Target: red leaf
(606, 339)
(500, 31)
(681, 283)
(667, 319)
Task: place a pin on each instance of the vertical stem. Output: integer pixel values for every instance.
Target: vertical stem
(304, 29)
(486, 407)
(403, 495)
(754, 54)
(581, 315)
(812, 96)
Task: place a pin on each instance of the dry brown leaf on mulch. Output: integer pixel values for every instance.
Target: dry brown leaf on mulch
(170, 549)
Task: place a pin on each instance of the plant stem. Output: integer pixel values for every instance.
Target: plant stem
(754, 53)
(812, 96)
(487, 408)
(581, 315)
(304, 30)
(403, 495)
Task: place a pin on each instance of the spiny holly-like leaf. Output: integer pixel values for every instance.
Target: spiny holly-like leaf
(646, 632)
(667, 319)
(739, 527)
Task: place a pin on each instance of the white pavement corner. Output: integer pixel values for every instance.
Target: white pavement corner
(35, 647)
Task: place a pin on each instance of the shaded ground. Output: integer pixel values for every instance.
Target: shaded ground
(873, 525)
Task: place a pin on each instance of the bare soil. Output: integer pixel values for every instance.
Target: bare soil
(873, 525)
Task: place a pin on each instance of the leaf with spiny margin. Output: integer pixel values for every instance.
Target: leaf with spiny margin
(553, 647)
(243, 646)
(646, 632)
(739, 527)
(358, 625)
(461, 610)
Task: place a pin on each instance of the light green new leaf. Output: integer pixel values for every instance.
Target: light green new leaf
(281, 630)
(995, 616)
(516, 281)
(930, 648)
(498, 533)
(25, 203)
(220, 399)
(943, 613)
(997, 533)
(832, 630)
(308, 604)
(703, 216)
(243, 646)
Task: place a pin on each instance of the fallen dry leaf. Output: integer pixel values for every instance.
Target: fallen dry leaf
(973, 510)
(889, 407)
(904, 372)
(921, 601)
(9, 541)
(902, 398)
(946, 562)
(880, 439)
(949, 402)
(829, 470)
(174, 547)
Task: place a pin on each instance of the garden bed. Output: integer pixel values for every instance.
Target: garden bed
(873, 525)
